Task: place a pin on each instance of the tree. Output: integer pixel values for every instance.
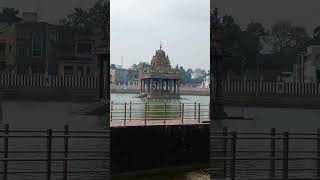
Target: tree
(94, 19)
(113, 66)
(316, 32)
(231, 34)
(300, 37)
(256, 32)
(199, 74)
(280, 36)
(9, 16)
(140, 67)
(283, 35)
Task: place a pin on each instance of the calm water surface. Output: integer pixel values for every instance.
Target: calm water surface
(43, 115)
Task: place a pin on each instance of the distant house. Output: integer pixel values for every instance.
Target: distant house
(312, 64)
(74, 52)
(121, 75)
(7, 46)
(206, 82)
(34, 48)
(53, 49)
(125, 76)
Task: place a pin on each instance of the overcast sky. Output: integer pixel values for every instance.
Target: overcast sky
(138, 26)
(299, 12)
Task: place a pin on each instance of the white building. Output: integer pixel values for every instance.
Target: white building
(312, 64)
(206, 82)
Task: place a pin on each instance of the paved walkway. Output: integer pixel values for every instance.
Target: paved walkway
(122, 123)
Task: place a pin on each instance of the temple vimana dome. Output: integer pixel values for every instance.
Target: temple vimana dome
(160, 80)
(160, 59)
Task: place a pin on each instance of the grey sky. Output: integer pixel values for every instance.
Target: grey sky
(138, 26)
(299, 12)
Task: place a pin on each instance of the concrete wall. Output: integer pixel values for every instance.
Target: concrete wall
(141, 148)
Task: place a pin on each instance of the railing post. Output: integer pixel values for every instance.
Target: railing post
(66, 150)
(130, 110)
(180, 109)
(195, 111)
(125, 113)
(165, 113)
(272, 152)
(182, 113)
(318, 153)
(199, 111)
(225, 145)
(233, 155)
(5, 152)
(285, 155)
(145, 114)
(111, 106)
(49, 150)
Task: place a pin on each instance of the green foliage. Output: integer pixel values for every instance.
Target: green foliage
(9, 16)
(140, 67)
(113, 66)
(186, 75)
(94, 19)
(243, 47)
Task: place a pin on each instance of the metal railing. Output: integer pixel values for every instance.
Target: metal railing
(268, 88)
(162, 112)
(57, 155)
(282, 155)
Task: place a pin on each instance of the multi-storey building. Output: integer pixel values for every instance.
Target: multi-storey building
(54, 49)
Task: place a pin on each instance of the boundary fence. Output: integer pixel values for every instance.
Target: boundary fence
(52, 154)
(282, 156)
(265, 88)
(164, 113)
(15, 80)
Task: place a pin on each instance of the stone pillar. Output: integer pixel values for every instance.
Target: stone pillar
(148, 86)
(167, 84)
(178, 87)
(141, 86)
(174, 86)
(151, 89)
(162, 86)
(144, 85)
(156, 88)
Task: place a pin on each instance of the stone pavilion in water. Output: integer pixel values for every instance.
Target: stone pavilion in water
(160, 80)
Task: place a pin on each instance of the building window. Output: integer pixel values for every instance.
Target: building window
(36, 44)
